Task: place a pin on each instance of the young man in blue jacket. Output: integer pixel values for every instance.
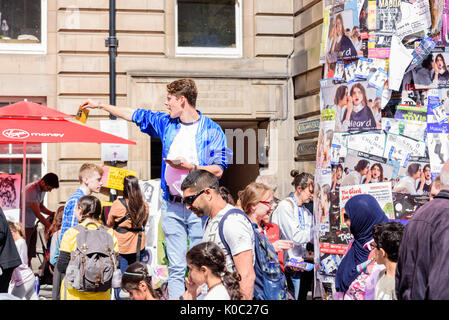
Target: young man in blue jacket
(190, 141)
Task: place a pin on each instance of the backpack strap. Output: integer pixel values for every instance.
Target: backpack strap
(125, 230)
(221, 224)
(126, 217)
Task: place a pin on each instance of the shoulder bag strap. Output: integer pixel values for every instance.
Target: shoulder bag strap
(302, 221)
(126, 217)
(140, 230)
(221, 224)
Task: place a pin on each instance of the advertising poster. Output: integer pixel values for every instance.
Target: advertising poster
(113, 177)
(151, 191)
(437, 142)
(387, 13)
(10, 188)
(384, 115)
(433, 71)
(381, 191)
(444, 22)
(343, 40)
(356, 106)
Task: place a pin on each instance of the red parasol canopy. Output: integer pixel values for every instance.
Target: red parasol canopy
(22, 123)
(28, 109)
(52, 131)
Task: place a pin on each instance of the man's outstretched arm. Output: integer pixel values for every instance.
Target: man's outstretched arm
(122, 112)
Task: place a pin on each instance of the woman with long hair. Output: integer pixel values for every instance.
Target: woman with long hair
(375, 174)
(358, 112)
(342, 46)
(207, 265)
(88, 215)
(128, 217)
(443, 74)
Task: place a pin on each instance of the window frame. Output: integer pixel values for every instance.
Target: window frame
(30, 48)
(214, 52)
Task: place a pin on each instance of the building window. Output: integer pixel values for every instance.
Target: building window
(11, 155)
(208, 28)
(23, 26)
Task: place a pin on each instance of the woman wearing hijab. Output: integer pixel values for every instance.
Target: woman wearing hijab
(363, 212)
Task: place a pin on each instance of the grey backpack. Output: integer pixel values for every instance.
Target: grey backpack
(93, 264)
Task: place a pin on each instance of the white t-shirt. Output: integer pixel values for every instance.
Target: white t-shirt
(183, 145)
(385, 287)
(218, 293)
(237, 231)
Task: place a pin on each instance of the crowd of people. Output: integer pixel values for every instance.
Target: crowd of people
(217, 248)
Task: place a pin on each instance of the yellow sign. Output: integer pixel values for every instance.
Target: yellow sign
(113, 177)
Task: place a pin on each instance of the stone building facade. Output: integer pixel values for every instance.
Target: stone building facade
(264, 91)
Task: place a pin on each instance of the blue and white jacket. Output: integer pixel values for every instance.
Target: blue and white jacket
(210, 139)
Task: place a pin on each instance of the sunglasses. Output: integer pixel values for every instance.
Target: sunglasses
(191, 199)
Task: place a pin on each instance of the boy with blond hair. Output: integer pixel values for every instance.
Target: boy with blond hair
(90, 181)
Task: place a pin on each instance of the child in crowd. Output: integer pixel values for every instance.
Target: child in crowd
(207, 264)
(22, 280)
(87, 213)
(387, 238)
(54, 233)
(141, 283)
(89, 176)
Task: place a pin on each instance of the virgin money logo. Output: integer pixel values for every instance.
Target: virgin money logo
(16, 133)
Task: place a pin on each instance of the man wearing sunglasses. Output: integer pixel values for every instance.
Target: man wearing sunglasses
(202, 196)
(190, 141)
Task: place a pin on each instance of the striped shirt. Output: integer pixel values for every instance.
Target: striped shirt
(68, 217)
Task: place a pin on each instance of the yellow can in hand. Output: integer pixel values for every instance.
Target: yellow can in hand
(82, 114)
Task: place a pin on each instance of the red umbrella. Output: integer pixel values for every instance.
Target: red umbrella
(27, 109)
(22, 123)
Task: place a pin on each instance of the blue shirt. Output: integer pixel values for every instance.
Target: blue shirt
(68, 217)
(210, 140)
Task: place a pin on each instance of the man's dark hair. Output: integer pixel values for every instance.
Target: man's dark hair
(388, 236)
(200, 179)
(362, 164)
(51, 180)
(413, 168)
